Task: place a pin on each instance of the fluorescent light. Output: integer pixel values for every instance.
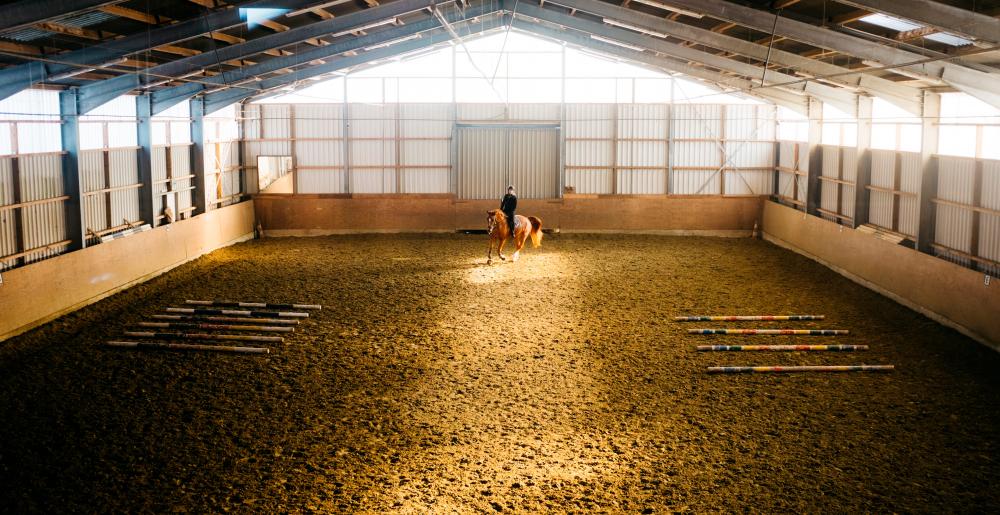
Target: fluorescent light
(314, 7)
(677, 10)
(70, 73)
(616, 43)
(393, 42)
(390, 21)
(617, 23)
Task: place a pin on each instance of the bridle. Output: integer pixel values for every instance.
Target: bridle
(491, 223)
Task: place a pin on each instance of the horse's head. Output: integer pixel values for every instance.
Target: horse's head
(493, 218)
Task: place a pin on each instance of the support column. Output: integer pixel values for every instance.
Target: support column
(69, 112)
(813, 195)
(928, 182)
(198, 153)
(144, 127)
(862, 195)
(241, 152)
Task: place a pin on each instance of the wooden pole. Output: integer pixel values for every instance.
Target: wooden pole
(814, 368)
(204, 336)
(242, 320)
(228, 327)
(734, 318)
(233, 304)
(782, 347)
(801, 332)
(238, 312)
(187, 346)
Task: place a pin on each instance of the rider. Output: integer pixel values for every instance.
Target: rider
(508, 205)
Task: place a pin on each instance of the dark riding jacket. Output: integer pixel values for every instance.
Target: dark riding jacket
(508, 204)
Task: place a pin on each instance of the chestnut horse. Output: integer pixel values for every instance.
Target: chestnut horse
(496, 226)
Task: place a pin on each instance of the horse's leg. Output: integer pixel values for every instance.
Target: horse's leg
(489, 253)
(518, 244)
(503, 240)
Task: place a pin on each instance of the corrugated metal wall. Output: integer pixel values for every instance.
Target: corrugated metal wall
(641, 149)
(989, 223)
(223, 173)
(589, 147)
(8, 231)
(953, 224)
(372, 137)
(793, 164)
(319, 149)
(837, 184)
(533, 163)
(425, 147)
(896, 178)
(608, 148)
(698, 150)
(44, 224)
(482, 159)
(750, 133)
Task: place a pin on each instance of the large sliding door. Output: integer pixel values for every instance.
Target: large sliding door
(492, 156)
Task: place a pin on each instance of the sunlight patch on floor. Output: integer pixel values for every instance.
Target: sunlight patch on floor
(529, 266)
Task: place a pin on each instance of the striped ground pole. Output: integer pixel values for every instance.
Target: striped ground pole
(800, 332)
(737, 348)
(806, 368)
(750, 318)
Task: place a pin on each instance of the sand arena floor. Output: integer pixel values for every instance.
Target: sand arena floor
(431, 382)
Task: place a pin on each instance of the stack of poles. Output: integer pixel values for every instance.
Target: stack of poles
(798, 332)
(213, 319)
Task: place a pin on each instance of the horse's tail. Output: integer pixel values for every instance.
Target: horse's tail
(536, 230)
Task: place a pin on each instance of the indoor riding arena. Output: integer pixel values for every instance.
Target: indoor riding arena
(407, 256)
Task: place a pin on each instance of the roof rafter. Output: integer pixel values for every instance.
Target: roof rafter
(166, 98)
(17, 78)
(904, 96)
(940, 16)
(838, 96)
(982, 85)
(104, 91)
(221, 99)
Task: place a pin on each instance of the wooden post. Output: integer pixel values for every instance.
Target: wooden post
(862, 196)
(69, 111)
(813, 194)
(928, 183)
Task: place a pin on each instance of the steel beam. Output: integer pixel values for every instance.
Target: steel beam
(144, 137)
(982, 85)
(198, 154)
(862, 195)
(903, 96)
(943, 17)
(813, 184)
(17, 78)
(795, 102)
(930, 122)
(28, 12)
(218, 100)
(95, 94)
(72, 185)
(165, 98)
(839, 97)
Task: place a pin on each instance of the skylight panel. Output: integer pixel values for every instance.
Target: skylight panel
(890, 22)
(948, 39)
